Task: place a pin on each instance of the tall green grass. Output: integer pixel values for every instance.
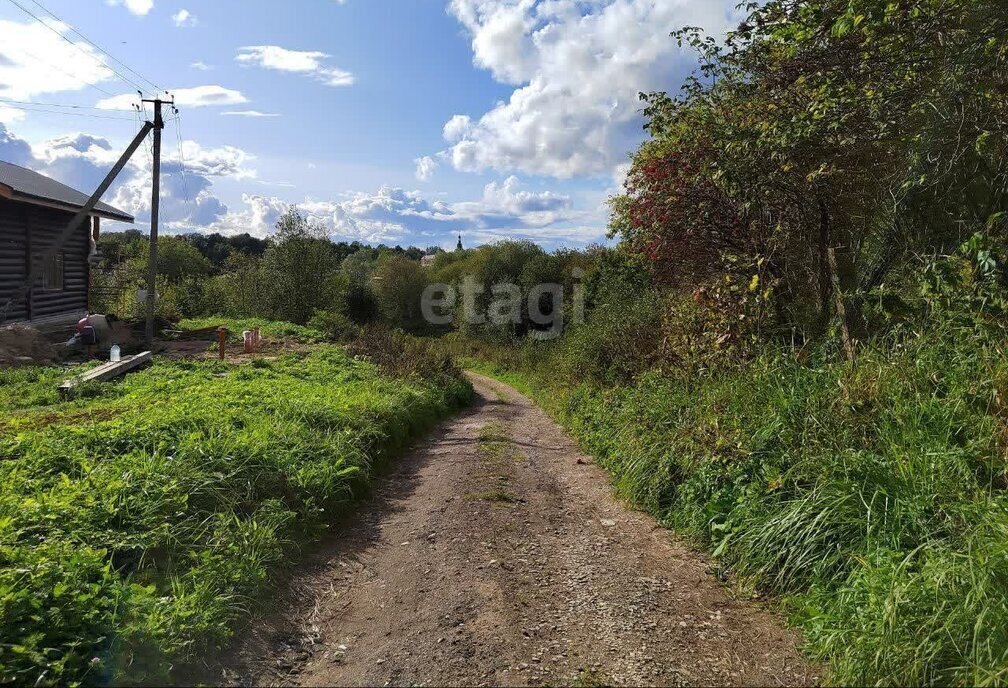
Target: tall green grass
(138, 524)
(871, 499)
(273, 329)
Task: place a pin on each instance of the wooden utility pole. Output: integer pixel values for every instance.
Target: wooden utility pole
(155, 208)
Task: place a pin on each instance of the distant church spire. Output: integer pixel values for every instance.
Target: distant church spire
(458, 247)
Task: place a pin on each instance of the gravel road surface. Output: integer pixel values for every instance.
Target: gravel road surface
(495, 554)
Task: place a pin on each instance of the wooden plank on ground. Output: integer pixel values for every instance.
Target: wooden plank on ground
(108, 371)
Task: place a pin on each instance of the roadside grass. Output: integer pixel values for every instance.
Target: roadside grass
(142, 520)
(496, 452)
(493, 436)
(870, 500)
(496, 444)
(588, 678)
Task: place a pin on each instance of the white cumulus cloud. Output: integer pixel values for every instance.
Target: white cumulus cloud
(137, 7)
(425, 168)
(9, 115)
(397, 215)
(35, 60)
(225, 161)
(184, 18)
(307, 62)
(82, 160)
(577, 68)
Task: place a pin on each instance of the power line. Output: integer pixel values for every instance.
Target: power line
(72, 114)
(181, 152)
(75, 45)
(72, 76)
(64, 105)
(98, 47)
(150, 142)
(149, 148)
(140, 122)
(136, 119)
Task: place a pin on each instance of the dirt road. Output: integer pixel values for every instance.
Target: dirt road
(495, 553)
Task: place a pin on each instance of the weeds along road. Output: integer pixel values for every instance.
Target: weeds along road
(494, 553)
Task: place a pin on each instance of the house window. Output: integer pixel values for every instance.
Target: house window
(52, 273)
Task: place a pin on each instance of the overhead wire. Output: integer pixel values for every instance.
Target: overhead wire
(97, 47)
(149, 151)
(139, 111)
(141, 89)
(64, 105)
(182, 163)
(72, 114)
(140, 122)
(75, 77)
(136, 118)
(75, 45)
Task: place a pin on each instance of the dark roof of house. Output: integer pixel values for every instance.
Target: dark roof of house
(32, 187)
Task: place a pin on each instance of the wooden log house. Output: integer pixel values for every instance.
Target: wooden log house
(34, 211)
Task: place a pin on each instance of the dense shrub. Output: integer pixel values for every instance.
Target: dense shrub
(398, 284)
(621, 338)
(361, 304)
(336, 326)
(403, 355)
(515, 269)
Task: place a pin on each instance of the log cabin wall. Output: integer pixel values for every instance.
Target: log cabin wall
(26, 231)
(13, 257)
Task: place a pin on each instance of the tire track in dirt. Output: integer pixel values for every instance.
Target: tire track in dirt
(495, 554)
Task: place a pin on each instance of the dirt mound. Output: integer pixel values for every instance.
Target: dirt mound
(21, 345)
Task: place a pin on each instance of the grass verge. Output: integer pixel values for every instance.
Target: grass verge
(140, 521)
(272, 329)
(870, 500)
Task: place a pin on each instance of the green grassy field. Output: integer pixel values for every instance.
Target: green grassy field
(140, 521)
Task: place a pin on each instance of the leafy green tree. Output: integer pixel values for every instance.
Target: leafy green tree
(399, 282)
(299, 263)
(360, 300)
(247, 285)
(359, 266)
(217, 248)
(179, 260)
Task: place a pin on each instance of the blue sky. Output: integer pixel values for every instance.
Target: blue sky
(396, 121)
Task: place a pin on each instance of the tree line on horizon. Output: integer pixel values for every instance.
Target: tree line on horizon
(287, 276)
